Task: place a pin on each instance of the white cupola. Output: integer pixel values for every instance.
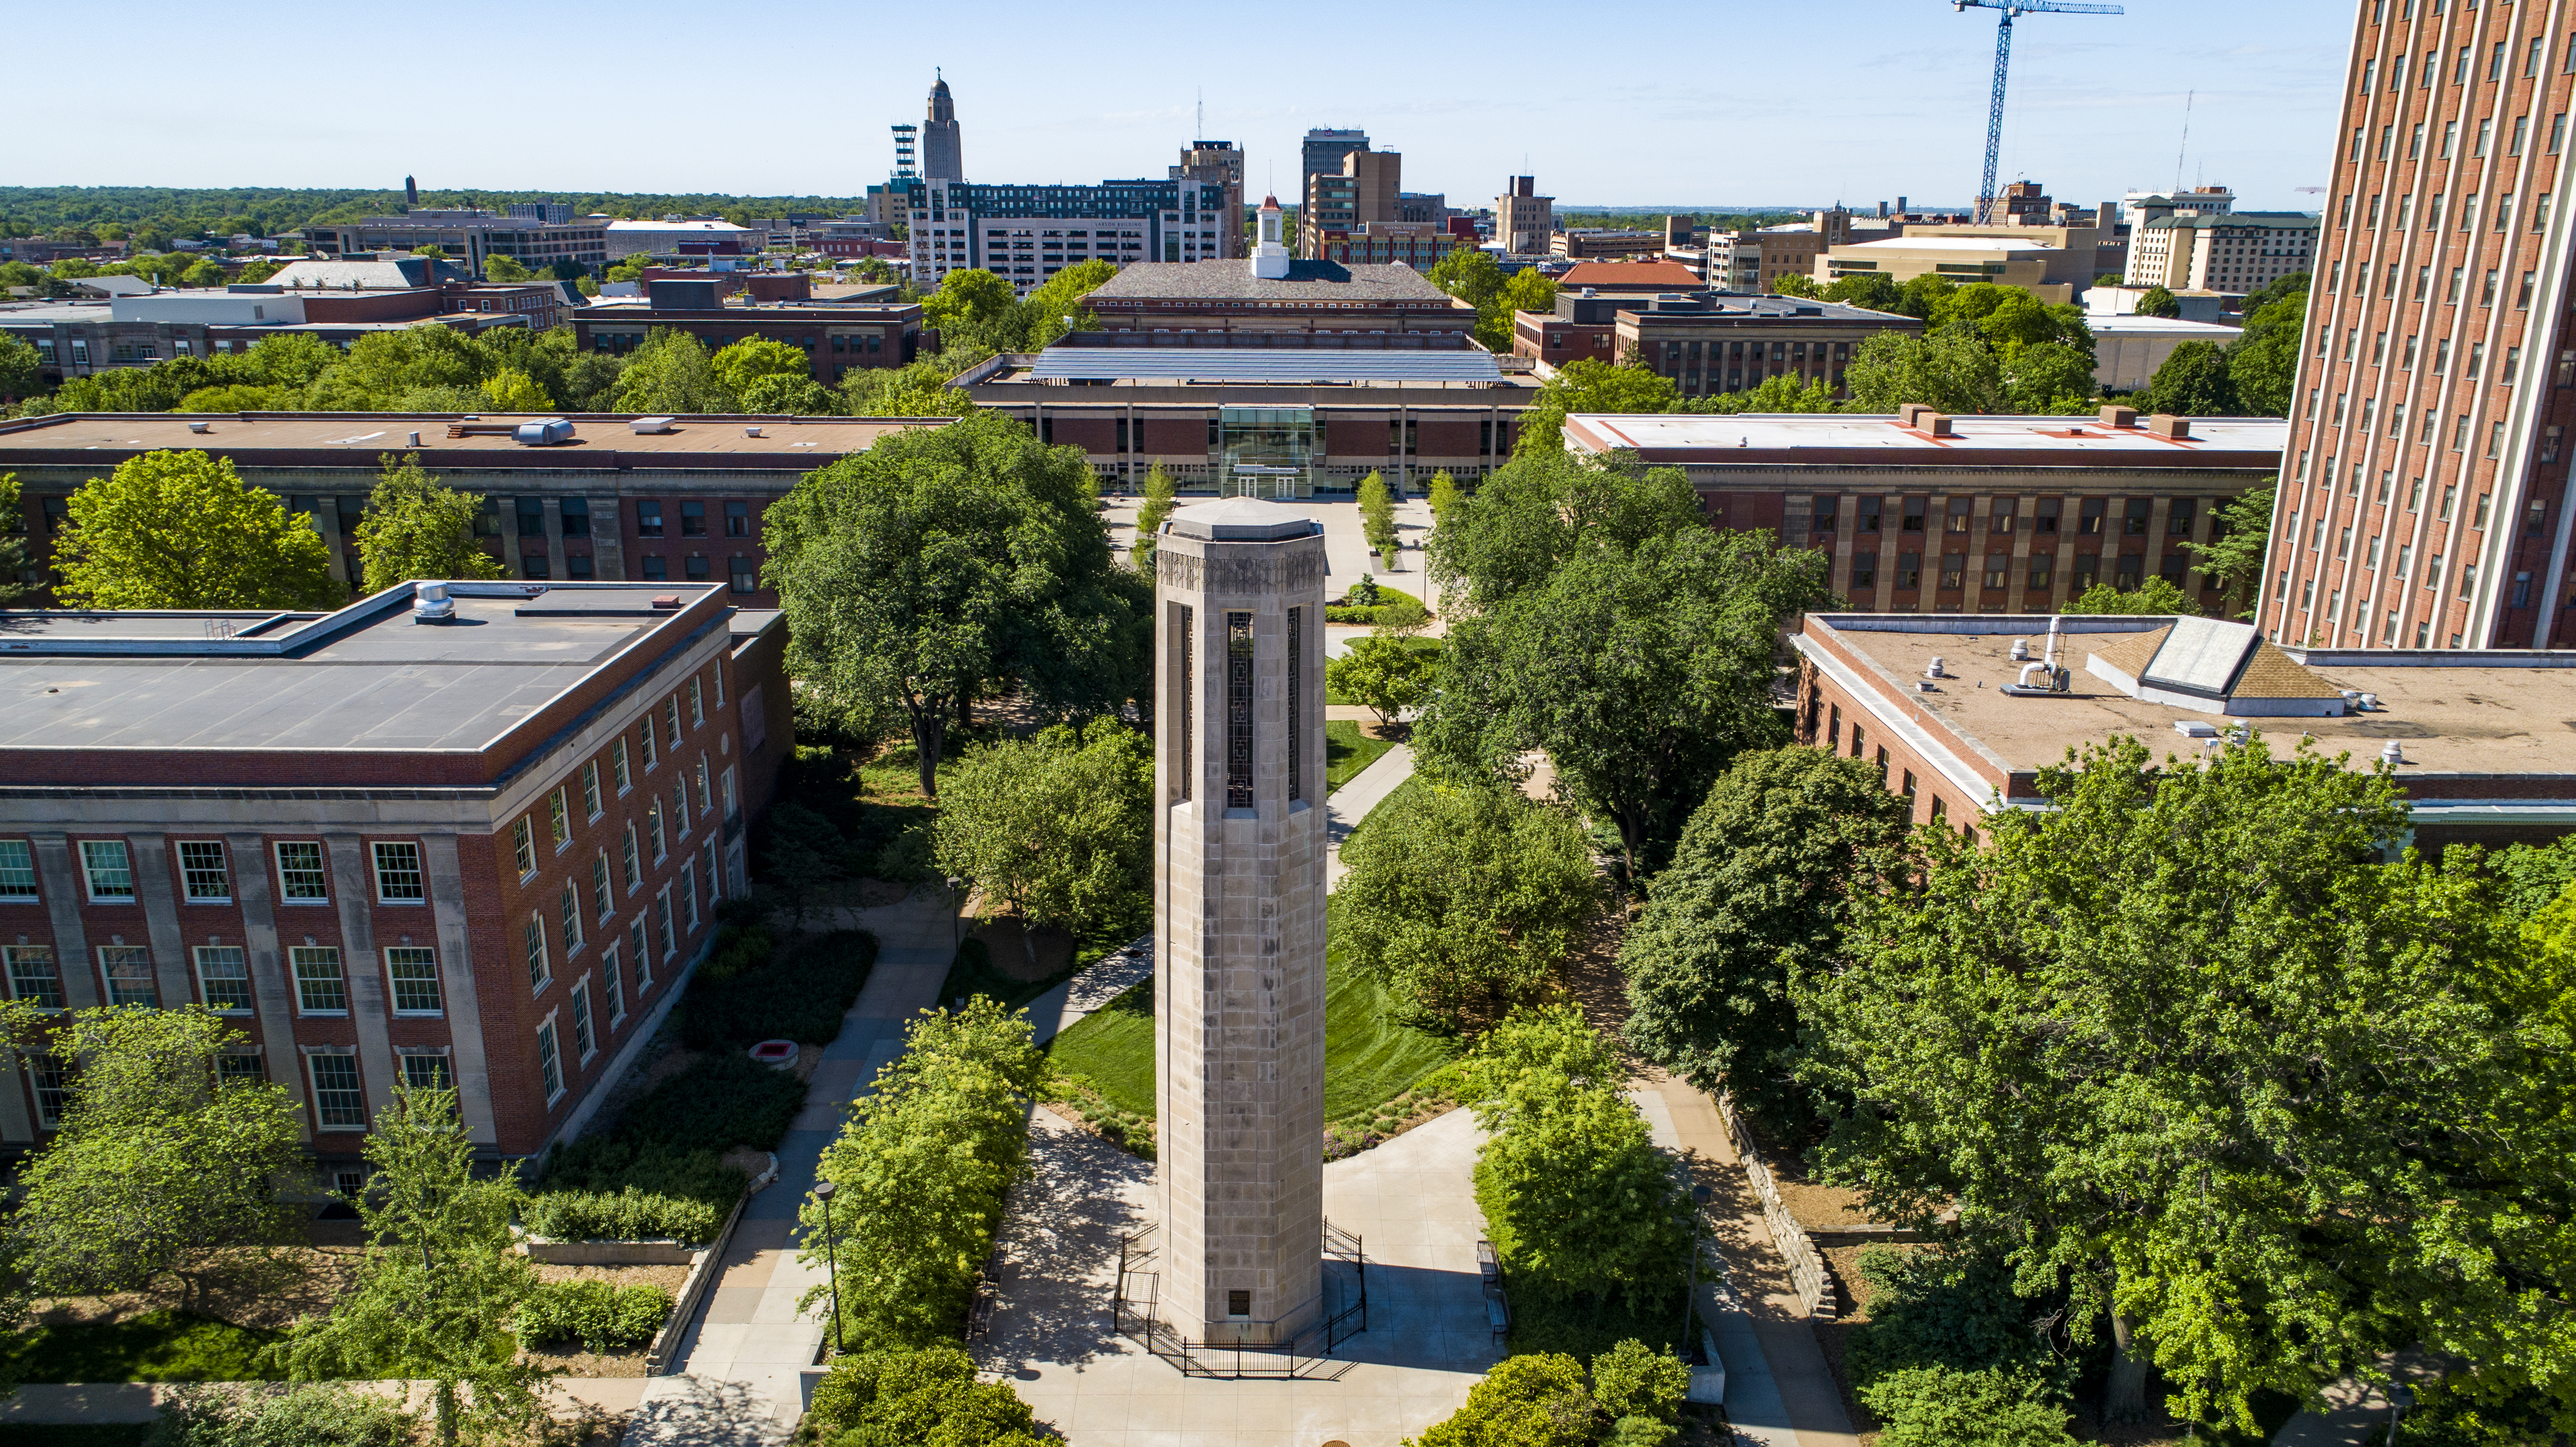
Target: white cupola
(1270, 253)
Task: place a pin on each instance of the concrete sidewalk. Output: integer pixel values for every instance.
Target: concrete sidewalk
(1346, 806)
(736, 1381)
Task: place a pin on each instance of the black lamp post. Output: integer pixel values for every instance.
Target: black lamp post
(823, 1192)
(1699, 1199)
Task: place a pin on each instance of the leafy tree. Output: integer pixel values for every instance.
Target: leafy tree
(1640, 671)
(1951, 369)
(2192, 383)
(2155, 301)
(968, 301)
(1444, 496)
(1060, 827)
(506, 269)
(208, 272)
(921, 1171)
(1945, 1407)
(2047, 377)
(416, 528)
(780, 396)
(1588, 386)
(1470, 274)
(293, 360)
(942, 558)
(237, 397)
(1578, 1201)
(1870, 290)
(1534, 513)
(381, 366)
(1775, 393)
(437, 1281)
(155, 1160)
(752, 359)
(2529, 877)
(2234, 553)
(182, 530)
(315, 1414)
(1377, 514)
(21, 369)
(1954, 1307)
(1634, 1380)
(433, 252)
(590, 382)
(873, 269)
(1525, 1401)
(1151, 513)
(1385, 673)
(1056, 308)
(2155, 597)
(15, 563)
(511, 390)
(1922, 297)
(1792, 284)
(1465, 898)
(919, 389)
(926, 1398)
(670, 374)
(2263, 364)
(1757, 895)
(2183, 1049)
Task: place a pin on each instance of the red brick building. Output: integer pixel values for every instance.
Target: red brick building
(482, 852)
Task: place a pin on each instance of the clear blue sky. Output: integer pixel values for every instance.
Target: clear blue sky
(1730, 103)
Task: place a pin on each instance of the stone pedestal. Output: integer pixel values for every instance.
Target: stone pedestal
(1239, 920)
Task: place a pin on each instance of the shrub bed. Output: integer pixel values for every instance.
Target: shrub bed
(603, 1318)
(721, 1102)
(801, 997)
(619, 1189)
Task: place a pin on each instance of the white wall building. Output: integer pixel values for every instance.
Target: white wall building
(625, 238)
(2235, 252)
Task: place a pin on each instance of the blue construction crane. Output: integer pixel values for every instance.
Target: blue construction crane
(2003, 59)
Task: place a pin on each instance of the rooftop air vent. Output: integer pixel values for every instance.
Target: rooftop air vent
(751, 432)
(201, 427)
(430, 604)
(667, 602)
(649, 426)
(552, 432)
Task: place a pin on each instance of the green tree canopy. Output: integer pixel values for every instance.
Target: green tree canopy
(1058, 827)
(2240, 532)
(1586, 385)
(416, 528)
(1377, 513)
(2155, 597)
(1152, 511)
(2263, 364)
(182, 530)
(1757, 895)
(1641, 671)
(438, 1280)
(753, 359)
(1383, 673)
(1951, 369)
(1536, 512)
(1872, 290)
(1778, 392)
(2184, 1049)
(1465, 898)
(1056, 306)
(943, 558)
(1470, 274)
(20, 578)
(2192, 383)
(511, 390)
(21, 370)
(1533, 1400)
(2155, 301)
(670, 374)
(2047, 377)
(156, 1160)
(968, 300)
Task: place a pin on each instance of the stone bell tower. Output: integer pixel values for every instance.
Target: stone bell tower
(1239, 920)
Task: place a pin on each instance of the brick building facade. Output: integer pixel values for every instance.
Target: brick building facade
(484, 853)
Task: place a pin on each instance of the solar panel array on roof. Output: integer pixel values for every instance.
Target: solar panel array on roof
(2201, 655)
(1227, 364)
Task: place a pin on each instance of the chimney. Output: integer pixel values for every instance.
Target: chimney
(411, 193)
(2119, 417)
(2165, 424)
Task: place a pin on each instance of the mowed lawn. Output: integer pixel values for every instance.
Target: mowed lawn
(1347, 750)
(1368, 1057)
(157, 1346)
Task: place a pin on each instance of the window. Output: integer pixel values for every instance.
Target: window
(523, 846)
(693, 519)
(689, 895)
(646, 735)
(110, 870)
(697, 703)
(600, 897)
(299, 874)
(745, 574)
(223, 973)
(590, 789)
(1238, 711)
(539, 969)
(571, 907)
(549, 1062)
(737, 519)
(585, 1044)
(428, 1072)
(615, 987)
(680, 805)
(338, 1103)
(662, 917)
(202, 875)
(559, 818)
(648, 518)
(239, 1065)
(128, 969)
(53, 1089)
(671, 718)
(319, 986)
(706, 796)
(17, 869)
(633, 870)
(617, 765)
(414, 971)
(398, 878)
(33, 976)
(653, 821)
(643, 955)
(729, 804)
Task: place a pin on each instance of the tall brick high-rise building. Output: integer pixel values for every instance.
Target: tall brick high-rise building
(2424, 493)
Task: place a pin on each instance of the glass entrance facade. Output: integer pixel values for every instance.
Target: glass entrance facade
(1266, 452)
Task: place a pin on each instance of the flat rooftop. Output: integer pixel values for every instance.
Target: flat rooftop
(72, 436)
(2452, 713)
(1912, 242)
(2011, 441)
(1295, 365)
(364, 679)
(1306, 281)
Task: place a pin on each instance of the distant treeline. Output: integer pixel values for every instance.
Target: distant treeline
(1639, 219)
(265, 211)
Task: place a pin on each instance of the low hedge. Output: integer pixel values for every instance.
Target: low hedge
(801, 997)
(618, 1189)
(601, 1317)
(721, 1102)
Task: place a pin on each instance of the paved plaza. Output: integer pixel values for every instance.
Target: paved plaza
(1412, 1203)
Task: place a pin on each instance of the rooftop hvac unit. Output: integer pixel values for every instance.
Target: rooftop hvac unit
(649, 426)
(549, 433)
